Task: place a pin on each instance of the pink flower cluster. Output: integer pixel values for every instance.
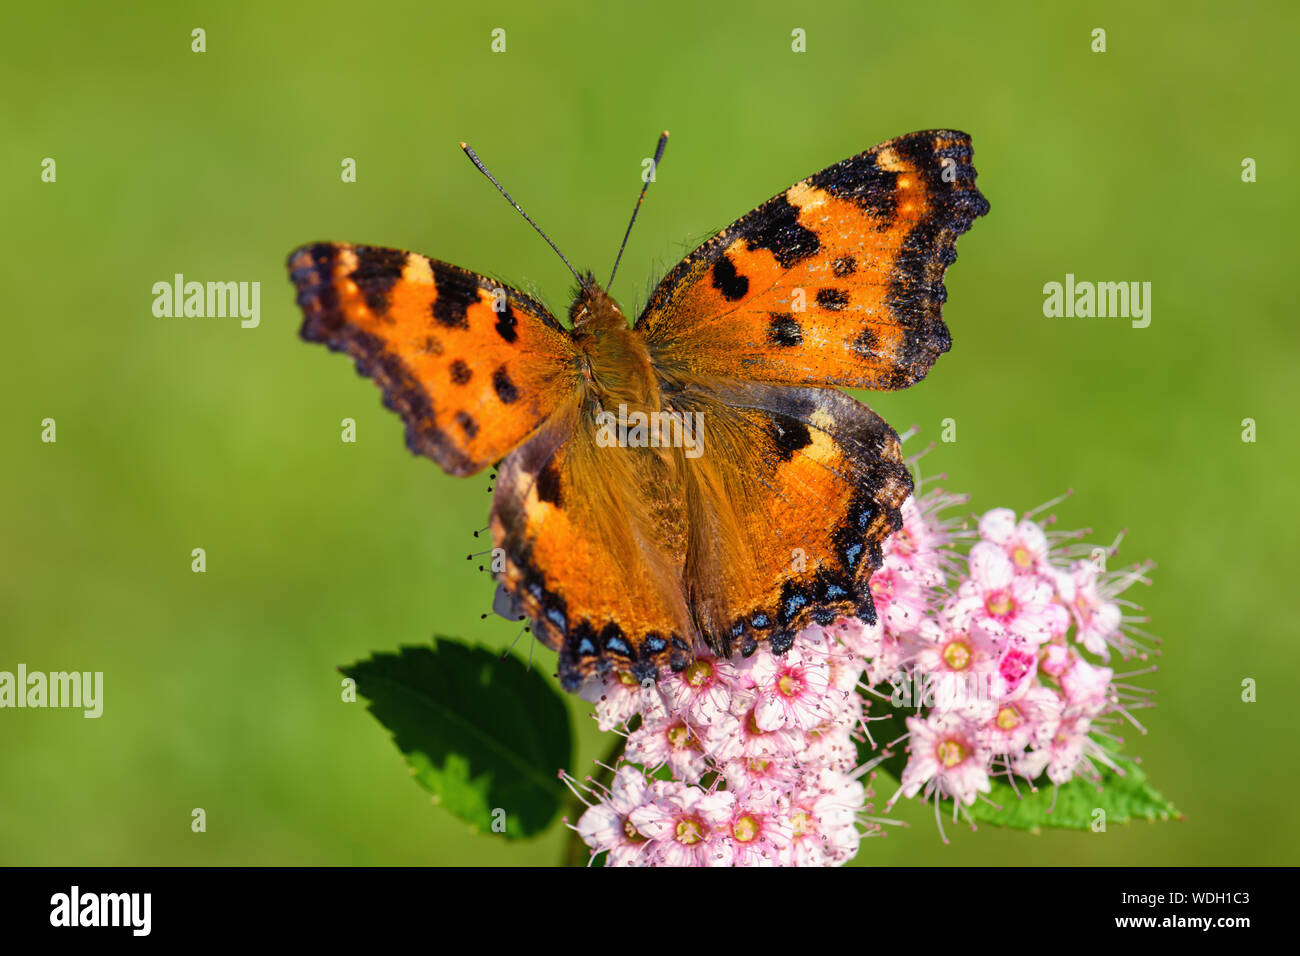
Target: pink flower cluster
(994, 641)
(993, 650)
(745, 762)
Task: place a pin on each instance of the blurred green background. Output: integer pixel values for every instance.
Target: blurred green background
(174, 434)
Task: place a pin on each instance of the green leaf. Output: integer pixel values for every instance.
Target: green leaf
(481, 733)
(1124, 796)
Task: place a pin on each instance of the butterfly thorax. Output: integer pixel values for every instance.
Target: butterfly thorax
(614, 359)
(621, 383)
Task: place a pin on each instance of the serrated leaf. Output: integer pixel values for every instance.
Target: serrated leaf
(1124, 796)
(481, 733)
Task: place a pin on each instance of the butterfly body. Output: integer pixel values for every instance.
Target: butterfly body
(697, 479)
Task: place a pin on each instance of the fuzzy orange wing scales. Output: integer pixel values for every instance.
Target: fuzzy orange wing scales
(472, 366)
(796, 494)
(836, 281)
(585, 560)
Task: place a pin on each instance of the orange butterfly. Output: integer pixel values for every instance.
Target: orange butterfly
(696, 480)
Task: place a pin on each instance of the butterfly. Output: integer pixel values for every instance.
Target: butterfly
(695, 480)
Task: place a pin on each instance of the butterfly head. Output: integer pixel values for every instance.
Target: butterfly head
(594, 309)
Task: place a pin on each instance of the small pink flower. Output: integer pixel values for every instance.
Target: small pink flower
(1066, 748)
(685, 826)
(1056, 660)
(831, 747)
(617, 697)
(959, 667)
(668, 741)
(1018, 723)
(1086, 688)
(792, 690)
(780, 743)
(769, 775)
(606, 826)
(919, 545)
(823, 821)
(894, 655)
(1096, 620)
(901, 598)
(1024, 543)
(846, 665)
(759, 832)
(703, 690)
(1017, 668)
(1004, 603)
(947, 756)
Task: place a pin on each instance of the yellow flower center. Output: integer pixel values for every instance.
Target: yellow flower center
(787, 685)
(802, 823)
(745, 830)
(1000, 603)
(1009, 718)
(690, 832)
(698, 673)
(631, 832)
(626, 679)
(957, 654)
(680, 737)
(950, 753)
(1021, 557)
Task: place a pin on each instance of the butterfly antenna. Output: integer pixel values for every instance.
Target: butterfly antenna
(659, 154)
(473, 158)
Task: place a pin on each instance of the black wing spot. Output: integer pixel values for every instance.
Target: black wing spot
(835, 300)
(861, 181)
(789, 435)
(844, 266)
(457, 291)
(728, 281)
(505, 326)
(866, 343)
(778, 230)
(460, 372)
(376, 273)
(548, 484)
(505, 388)
(784, 330)
(467, 424)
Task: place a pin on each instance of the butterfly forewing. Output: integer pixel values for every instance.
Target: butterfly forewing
(836, 281)
(472, 366)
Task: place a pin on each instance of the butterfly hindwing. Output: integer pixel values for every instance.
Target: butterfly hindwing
(836, 281)
(797, 491)
(594, 541)
(472, 366)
